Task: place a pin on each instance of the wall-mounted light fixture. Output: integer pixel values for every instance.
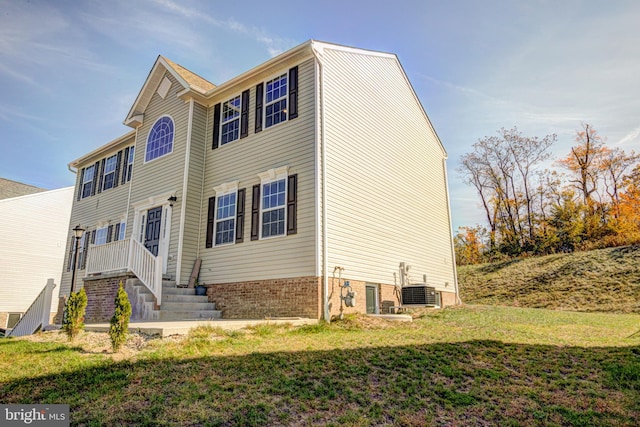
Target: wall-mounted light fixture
(171, 200)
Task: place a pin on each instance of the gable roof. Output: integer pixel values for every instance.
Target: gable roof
(190, 81)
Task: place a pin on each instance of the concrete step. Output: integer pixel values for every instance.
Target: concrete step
(172, 290)
(189, 315)
(183, 298)
(186, 306)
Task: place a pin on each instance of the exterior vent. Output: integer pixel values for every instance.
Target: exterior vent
(421, 295)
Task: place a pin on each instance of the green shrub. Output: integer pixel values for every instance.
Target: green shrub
(74, 310)
(120, 320)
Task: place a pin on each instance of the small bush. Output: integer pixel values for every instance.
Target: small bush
(120, 320)
(74, 310)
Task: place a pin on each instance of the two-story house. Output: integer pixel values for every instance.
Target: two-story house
(317, 167)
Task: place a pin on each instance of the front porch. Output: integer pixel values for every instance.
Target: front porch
(152, 296)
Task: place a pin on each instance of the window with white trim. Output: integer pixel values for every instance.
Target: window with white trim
(160, 139)
(109, 174)
(230, 120)
(276, 101)
(101, 235)
(121, 229)
(87, 181)
(272, 208)
(226, 218)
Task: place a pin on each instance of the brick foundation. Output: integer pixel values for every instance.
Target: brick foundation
(101, 295)
(296, 297)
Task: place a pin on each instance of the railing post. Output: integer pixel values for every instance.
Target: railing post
(130, 257)
(158, 281)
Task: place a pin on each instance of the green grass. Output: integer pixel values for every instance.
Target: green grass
(606, 280)
(464, 366)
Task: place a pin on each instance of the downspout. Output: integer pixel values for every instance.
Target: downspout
(323, 153)
(204, 170)
(183, 205)
(126, 218)
(453, 252)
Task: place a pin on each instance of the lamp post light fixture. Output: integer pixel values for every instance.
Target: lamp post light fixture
(77, 234)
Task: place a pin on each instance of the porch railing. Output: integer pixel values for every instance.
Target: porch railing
(37, 315)
(128, 255)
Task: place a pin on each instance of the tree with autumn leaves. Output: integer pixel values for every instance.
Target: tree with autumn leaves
(591, 201)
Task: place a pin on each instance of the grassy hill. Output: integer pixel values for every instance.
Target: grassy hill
(604, 280)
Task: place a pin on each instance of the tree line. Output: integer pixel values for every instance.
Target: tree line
(588, 199)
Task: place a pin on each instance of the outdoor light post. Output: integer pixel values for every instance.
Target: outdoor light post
(77, 234)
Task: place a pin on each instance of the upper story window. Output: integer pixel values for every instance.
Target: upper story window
(226, 218)
(230, 120)
(128, 165)
(276, 101)
(109, 179)
(160, 140)
(87, 181)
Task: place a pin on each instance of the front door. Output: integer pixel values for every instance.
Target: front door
(371, 300)
(152, 235)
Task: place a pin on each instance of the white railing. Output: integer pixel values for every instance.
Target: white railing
(112, 256)
(147, 267)
(37, 315)
(128, 255)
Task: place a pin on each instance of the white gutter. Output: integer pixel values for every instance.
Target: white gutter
(453, 252)
(183, 205)
(323, 154)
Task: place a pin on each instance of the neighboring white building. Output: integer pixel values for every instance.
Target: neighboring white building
(33, 238)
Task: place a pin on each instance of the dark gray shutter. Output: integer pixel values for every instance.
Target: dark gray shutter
(94, 185)
(216, 126)
(116, 235)
(80, 184)
(240, 216)
(101, 176)
(117, 172)
(255, 213)
(293, 92)
(259, 97)
(125, 166)
(211, 221)
(292, 190)
(109, 233)
(244, 115)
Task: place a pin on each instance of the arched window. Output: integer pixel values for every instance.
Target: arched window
(160, 140)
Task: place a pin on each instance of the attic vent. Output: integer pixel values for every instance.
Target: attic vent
(420, 295)
(163, 89)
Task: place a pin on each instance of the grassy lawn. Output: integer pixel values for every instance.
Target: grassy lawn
(475, 365)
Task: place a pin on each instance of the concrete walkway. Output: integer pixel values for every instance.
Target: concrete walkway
(182, 327)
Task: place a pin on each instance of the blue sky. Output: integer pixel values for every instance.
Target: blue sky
(70, 70)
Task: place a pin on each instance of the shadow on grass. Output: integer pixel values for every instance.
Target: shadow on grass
(468, 383)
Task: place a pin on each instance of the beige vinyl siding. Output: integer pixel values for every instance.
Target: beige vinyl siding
(33, 230)
(105, 207)
(164, 174)
(292, 144)
(386, 189)
(194, 192)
